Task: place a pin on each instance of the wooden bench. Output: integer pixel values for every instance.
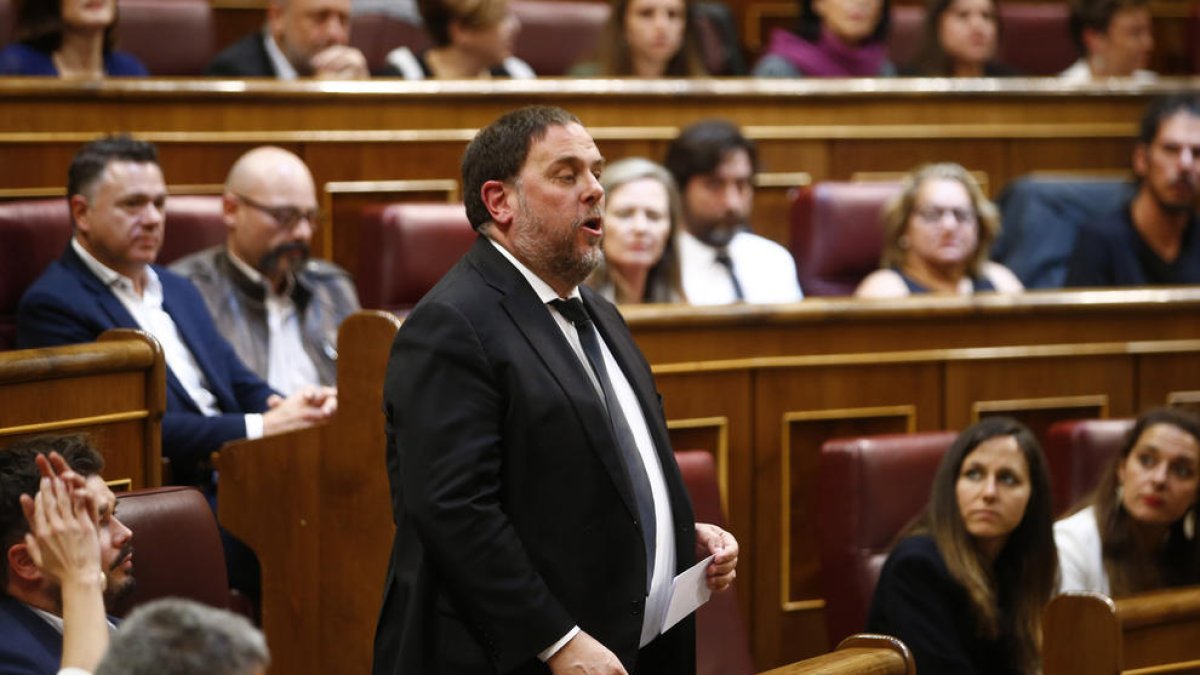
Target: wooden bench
(861, 654)
(113, 389)
(1091, 634)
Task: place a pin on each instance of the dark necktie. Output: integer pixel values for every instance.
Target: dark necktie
(574, 312)
(727, 263)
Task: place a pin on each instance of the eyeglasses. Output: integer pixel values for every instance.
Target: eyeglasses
(936, 214)
(286, 217)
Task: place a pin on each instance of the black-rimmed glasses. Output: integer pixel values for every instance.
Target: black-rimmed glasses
(286, 217)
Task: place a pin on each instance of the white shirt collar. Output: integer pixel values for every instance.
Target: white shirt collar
(544, 292)
(111, 277)
(284, 69)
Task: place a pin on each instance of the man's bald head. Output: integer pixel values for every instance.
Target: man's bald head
(271, 210)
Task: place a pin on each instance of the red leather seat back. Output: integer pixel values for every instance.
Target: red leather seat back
(1079, 452)
(8, 21)
(194, 223)
(377, 34)
(177, 551)
(557, 34)
(404, 249)
(170, 37)
(869, 488)
(33, 233)
(1035, 38)
(722, 643)
(837, 234)
(904, 33)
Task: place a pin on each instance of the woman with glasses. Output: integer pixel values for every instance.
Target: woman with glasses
(1137, 531)
(937, 234)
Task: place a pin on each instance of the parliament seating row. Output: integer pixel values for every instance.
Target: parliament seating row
(871, 487)
(861, 654)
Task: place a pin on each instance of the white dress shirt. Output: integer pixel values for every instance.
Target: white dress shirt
(289, 367)
(147, 310)
(284, 69)
(765, 270)
(664, 535)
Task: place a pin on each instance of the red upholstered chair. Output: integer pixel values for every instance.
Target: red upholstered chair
(1079, 452)
(557, 34)
(837, 234)
(404, 249)
(194, 223)
(1035, 38)
(869, 488)
(722, 643)
(33, 233)
(8, 21)
(177, 550)
(171, 37)
(377, 34)
(904, 34)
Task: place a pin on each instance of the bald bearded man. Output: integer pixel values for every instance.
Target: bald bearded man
(279, 308)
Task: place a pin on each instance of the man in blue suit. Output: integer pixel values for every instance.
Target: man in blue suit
(31, 606)
(107, 279)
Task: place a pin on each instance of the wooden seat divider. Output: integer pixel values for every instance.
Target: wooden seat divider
(315, 505)
(113, 389)
(860, 654)
(1091, 634)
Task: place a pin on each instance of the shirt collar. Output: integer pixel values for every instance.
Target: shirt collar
(544, 292)
(111, 277)
(284, 69)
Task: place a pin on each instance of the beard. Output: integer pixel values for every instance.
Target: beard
(1186, 205)
(719, 231)
(553, 253)
(284, 258)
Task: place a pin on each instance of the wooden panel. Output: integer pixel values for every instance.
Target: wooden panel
(113, 389)
(1168, 379)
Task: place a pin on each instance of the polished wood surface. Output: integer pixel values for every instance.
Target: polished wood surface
(389, 130)
(113, 389)
(861, 654)
(315, 506)
(1091, 634)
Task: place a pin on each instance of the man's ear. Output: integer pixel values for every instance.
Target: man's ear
(499, 197)
(1140, 159)
(1093, 41)
(229, 207)
(79, 206)
(21, 565)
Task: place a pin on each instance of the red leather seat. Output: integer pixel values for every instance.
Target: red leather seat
(404, 249)
(722, 643)
(556, 34)
(904, 33)
(170, 37)
(869, 488)
(837, 234)
(1079, 452)
(377, 34)
(1035, 38)
(8, 21)
(33, 233)
(194, 223)
(177, 550)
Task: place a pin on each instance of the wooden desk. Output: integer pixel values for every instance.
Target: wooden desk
(113, 389)
(806, 129)
(1090, 634)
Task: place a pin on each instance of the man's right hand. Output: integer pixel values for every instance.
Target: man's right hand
(583, 655)
(300, 410)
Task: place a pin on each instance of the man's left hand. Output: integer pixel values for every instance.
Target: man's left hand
(714, 541)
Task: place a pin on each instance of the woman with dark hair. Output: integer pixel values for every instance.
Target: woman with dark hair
(834, 38)
(647, 38)
(641, 219)
(937, 234)
(472, 38)
(69, 39)
(965, 586)
(1137, 531)
(959, 40)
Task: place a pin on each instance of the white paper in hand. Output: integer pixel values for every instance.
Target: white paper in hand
(688, 592)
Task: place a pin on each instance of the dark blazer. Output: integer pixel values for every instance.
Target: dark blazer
(245, 58)
(70, 305)
(918, 602)
(30, 646)
(515, 519)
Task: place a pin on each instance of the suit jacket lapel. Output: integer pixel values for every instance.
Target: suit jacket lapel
(185, 324)
(533, 320)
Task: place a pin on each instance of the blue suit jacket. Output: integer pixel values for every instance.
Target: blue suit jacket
(69, 305)
(30, 646)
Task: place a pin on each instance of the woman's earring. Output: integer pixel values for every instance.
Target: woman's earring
(1189, 524)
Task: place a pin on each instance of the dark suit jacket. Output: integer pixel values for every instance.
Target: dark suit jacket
(245, 58)
(30, 646)
(515, 519)
(70, 305)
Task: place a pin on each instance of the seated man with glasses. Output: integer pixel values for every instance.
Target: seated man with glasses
(279, 308)
(937, 234)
